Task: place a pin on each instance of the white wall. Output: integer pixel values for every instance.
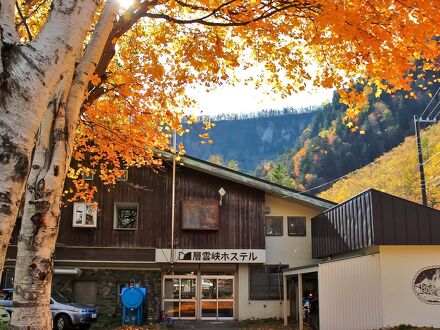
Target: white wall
(248, 309)
(293, 251)
(350, 294)
(399, 265)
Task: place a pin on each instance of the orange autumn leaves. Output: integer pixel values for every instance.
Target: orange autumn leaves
(284, 44)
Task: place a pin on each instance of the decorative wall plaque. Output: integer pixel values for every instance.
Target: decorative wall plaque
(426, 285)
(200, 215)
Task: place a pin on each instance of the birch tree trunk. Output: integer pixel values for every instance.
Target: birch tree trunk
(29, 75)
(40, 222)
(34, 229)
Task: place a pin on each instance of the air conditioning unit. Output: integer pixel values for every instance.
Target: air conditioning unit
(84, 215)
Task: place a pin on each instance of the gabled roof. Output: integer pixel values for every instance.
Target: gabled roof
(252, 181)
(373, 218)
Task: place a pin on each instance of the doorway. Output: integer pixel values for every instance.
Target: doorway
(205, 297)
(217, 297)
(179, 296)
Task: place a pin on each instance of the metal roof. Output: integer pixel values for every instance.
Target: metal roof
(252, 181)
(373, 218)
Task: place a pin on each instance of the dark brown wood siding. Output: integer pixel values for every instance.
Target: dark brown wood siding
(241, 217)
(373, 218)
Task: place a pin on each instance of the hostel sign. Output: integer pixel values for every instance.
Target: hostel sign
(245, 256)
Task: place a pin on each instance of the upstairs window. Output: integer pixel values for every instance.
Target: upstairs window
(88, 176)
(84, 215)
(123, 176)
(125, 216)
(296, 226)
(274, 226)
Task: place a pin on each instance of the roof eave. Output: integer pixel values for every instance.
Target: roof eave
(255, 183)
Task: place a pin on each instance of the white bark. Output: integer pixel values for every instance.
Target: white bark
(8, 33)
(41, 217)
(34, 226)
(30, 75)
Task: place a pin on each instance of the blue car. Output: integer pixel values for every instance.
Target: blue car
(65, 313)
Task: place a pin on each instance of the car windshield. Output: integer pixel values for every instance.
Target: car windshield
(58, 297)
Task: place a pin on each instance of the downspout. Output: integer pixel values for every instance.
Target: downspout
(173, 203)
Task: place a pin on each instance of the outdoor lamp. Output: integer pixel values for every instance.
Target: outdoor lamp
(222, 192)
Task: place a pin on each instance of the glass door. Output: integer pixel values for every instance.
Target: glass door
(179, 296)
(217, 297)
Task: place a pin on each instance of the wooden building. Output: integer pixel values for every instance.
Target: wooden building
(218, 255)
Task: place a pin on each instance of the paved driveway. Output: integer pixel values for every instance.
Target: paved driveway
(188, 325)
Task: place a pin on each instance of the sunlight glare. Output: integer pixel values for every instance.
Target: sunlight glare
(125, 4)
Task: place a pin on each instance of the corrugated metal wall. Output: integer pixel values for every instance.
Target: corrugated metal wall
(344, 228)
(350, 294)
(373, 218)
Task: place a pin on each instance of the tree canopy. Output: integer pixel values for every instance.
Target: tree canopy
(91, 78)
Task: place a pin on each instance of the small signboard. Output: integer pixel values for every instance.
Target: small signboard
(200, 215)
(426, 285)
(245, 256)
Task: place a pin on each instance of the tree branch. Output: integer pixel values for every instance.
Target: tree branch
(37, 8)
(125, 24)
(23, 21)
(269, 9)
(87, 66)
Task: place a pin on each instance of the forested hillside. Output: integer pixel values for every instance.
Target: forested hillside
(329, 149)
(249, 139)
(396, 172)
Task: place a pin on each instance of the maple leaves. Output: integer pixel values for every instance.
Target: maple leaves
(160, 48)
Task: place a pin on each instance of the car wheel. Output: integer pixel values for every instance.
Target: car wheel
(62, 322)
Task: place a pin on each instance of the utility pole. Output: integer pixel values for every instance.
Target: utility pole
(427, 120)
(173, 204)
(421, 168)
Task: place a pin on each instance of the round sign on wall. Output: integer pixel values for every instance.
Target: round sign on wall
(426, 285)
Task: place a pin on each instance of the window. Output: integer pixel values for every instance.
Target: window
(274, 226)
(88, 176)
(126, 216)
(296, 226)
(119, 287)
(84, 292)
(84, 215)
(123, 176)
(266, 282)
(8, 278)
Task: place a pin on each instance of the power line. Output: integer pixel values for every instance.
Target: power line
(302, 192)
(432, 141)
(438, 113)
(438, 103)
(431, 158)
(437, 184)
(432, 98)
(433, 179)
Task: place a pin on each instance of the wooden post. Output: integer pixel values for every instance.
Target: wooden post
(285, 298)
(300, 303)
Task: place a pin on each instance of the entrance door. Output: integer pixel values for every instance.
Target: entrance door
(179, 296)
(217, 297)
